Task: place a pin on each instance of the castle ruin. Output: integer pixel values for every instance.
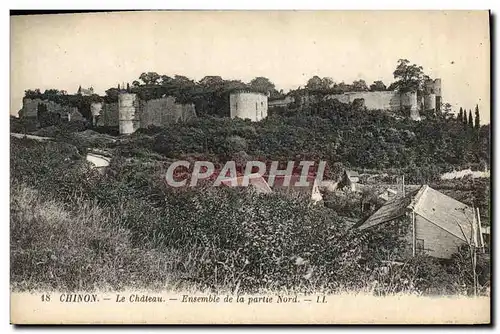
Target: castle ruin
(248, 105)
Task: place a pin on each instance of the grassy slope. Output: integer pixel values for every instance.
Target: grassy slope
(55, 248)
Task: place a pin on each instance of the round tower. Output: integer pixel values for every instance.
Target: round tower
(430, 102)
(248, 105)
(126, 112)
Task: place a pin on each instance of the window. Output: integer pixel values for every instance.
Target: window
(420, 246)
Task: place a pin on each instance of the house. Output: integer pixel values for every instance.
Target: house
(256, 181)
(85, 91)
(438, 224)
(349, 181)
(262, 185)
(388, 194)
(309, 188)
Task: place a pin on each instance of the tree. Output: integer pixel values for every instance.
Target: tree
(359, 86)
(211, 80)
(318, 84)
(128, 87)
(460, 117)
(262, 84)
(136, 83)
(408, 77)
(378, 86)
(477, 121)
(470, 122)
(79, 90)
(150, 78)
(447, 113)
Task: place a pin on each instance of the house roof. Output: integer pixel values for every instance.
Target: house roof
(389, 211)
(447, 213)
(295, 183)
(352, 173)
(256, 180)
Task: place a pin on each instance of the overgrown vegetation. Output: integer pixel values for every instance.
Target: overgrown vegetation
(73, 228)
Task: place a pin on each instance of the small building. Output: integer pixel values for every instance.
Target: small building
(248, 105)
(438, 224)
(349, 181)
(388, 194)
(295, 186)
(85, 91)
(256, 181)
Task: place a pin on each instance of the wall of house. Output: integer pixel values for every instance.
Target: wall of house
(248, 105)
(437, 242)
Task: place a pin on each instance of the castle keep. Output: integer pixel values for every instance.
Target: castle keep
(248, 105)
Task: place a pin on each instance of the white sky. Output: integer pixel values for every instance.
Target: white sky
(104, 49)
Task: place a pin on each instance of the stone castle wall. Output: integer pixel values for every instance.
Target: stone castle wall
(164, 111)
(131, 113)
(386, 100)
(30, 109)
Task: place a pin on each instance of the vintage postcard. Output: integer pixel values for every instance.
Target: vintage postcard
(250, 167)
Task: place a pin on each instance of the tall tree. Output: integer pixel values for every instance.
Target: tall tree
(378, 86)
(460, 116)
(359, 86)
(262, 84)
(150, 78)
(477, 120)
(408, 77)
(470, 122)
(315, 83)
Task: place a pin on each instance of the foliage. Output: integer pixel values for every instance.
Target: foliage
(130, 228)
(408, 77)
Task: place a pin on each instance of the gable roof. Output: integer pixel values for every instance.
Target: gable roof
(294, 184)
(389, 211)
(443, 211)
(352, 173)
(256, 180)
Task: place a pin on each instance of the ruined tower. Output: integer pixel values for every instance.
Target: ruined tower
(127, 104)
(409, 103)
(437, 91)
(432, 95)
(248, 105)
